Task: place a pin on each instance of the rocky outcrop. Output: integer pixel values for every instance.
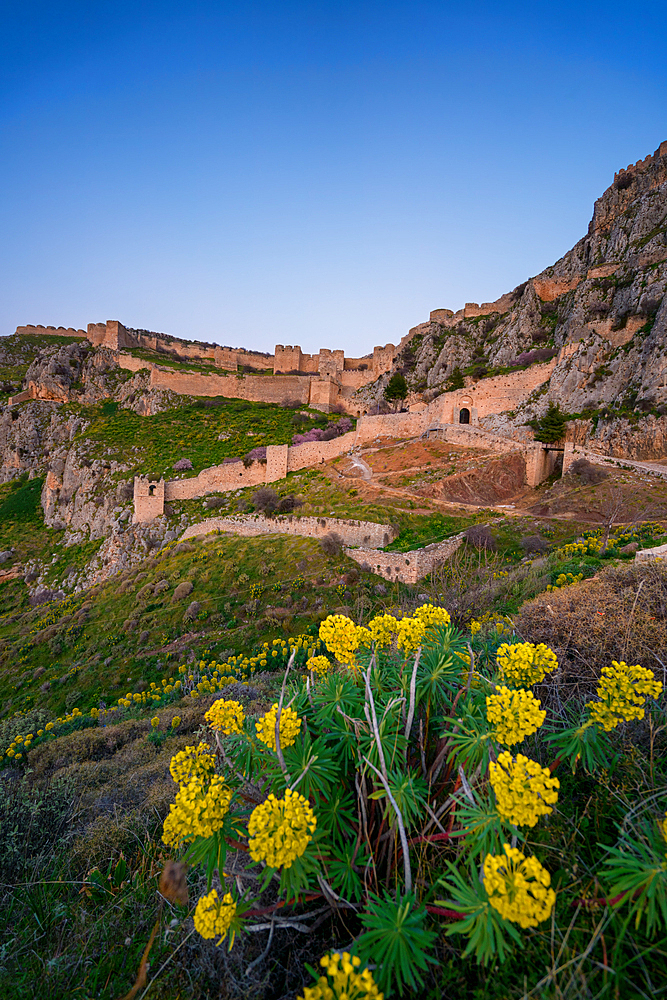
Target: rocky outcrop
(605, 299)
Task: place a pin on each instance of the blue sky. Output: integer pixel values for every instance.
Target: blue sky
(321, 174)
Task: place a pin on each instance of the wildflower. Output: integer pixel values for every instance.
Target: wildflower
(622, 692)
(342, 979)
(524, 791)
(155, 721)
(226, 716)
(382, 630)
(198, 811)
(40, 732)
(175, 722)
(339, 635)
(320, 665)
(193, 762)
(213, 916)
(94, 714)
(281, 829)
(518, 887)
(523, 664)
(411, 632)
(289, 727)
(515, 714)
(430, 615)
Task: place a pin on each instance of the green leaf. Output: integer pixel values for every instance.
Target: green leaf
(480, 922)
(397, 941)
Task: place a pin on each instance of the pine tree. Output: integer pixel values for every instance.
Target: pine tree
(550, 427)
(396, 388)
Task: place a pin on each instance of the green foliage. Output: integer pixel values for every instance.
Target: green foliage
(636, 871)
(396, 388)
(23, 503)
(397, 940)
(480, 922)
(551, 426)
(455, 380)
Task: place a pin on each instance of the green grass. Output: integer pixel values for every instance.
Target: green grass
(153, 444)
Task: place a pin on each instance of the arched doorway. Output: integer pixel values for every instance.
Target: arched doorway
(464, 415)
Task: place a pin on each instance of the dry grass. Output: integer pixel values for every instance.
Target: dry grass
(620, 614)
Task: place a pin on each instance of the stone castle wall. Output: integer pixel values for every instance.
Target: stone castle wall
(367, 533)
(50, 331)
(407, 567)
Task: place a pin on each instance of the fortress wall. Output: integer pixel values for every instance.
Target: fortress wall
(399, 425)
(50, 331)
(217, 479)
(148, 499)
(367, 533)
(259, 388)
(491, 395)
(311, 453)
(287, 359)
(407, 567)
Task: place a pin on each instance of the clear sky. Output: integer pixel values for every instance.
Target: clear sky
(313, 173)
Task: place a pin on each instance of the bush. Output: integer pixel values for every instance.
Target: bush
(588, 473)
(533, 543)
(192, 612)
(480, 537)
(255, 455)
(182, 465)
(580, 623)
(332, 544)
(265, 500)
(182, 590)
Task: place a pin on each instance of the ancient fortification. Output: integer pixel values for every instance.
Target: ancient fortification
(322, 380)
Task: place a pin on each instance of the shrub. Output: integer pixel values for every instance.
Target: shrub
(213, 503)
(331, 544)
(551, 426)
(588, 473)
(255, 455)
(480, 536)
(182, 465)
(266, 500)
(533, 543)
(182, 591)
(192, 612)
(580, 623)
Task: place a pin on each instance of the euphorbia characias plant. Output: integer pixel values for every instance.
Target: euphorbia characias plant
(401, 742)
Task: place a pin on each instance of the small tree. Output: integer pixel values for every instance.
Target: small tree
(550, 427)
(396, 388)
(455, 380)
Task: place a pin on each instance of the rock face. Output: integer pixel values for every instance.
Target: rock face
(605, 300)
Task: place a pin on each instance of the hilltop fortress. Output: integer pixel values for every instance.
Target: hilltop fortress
(322, 380)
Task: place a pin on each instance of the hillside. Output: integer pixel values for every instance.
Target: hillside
(118, 631)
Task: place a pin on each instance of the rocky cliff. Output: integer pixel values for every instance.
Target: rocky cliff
(605, 297)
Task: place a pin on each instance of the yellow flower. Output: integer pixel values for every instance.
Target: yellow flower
(281, 829)
(193, 762)
(410, 634)
(518, 887)
(339, 635)
(523, 664)
(198, 811)
(430, 615)
(40, 732)
(213, 916)
(226, 716)
(320, 665)
(289, 727)
(524, 791)
(622, 692)
(155, 721)
(514, 714)
(382, 630)
(343, 981)
(175, 722)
